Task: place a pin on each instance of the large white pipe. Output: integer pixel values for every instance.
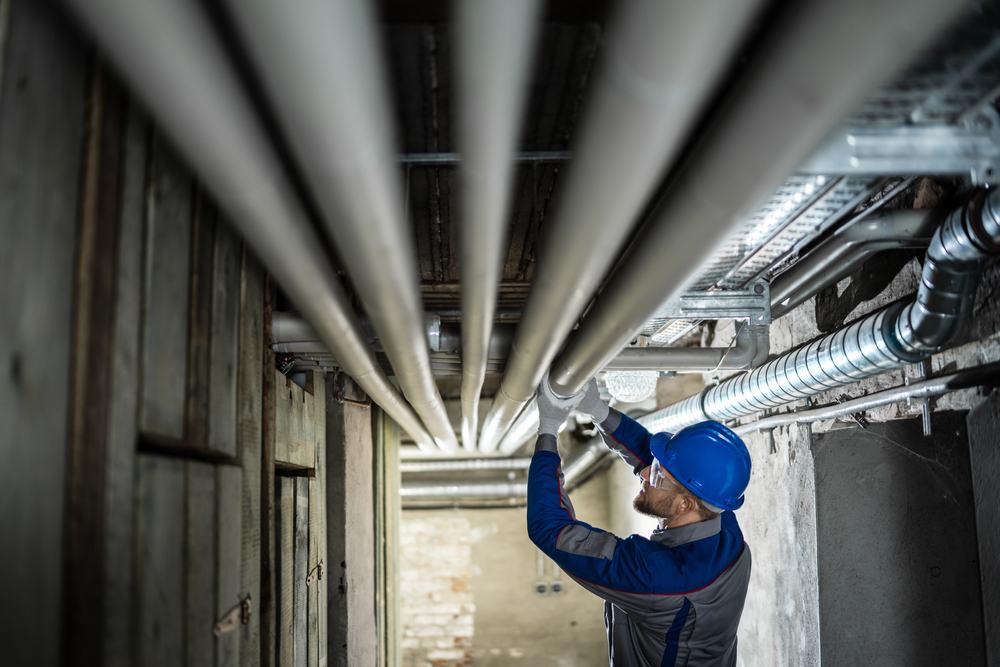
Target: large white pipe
(171, 57)
(321, 64)
(495, 40)
(813, 69)
(662, 62)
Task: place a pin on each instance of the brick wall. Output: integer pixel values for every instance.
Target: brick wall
(436, 604)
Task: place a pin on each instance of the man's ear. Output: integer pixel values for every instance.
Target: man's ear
(688, 504)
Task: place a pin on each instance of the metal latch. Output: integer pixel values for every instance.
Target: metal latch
(316, 574)
(240, 614)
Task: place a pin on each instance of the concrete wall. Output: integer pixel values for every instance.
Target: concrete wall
(513, 625)
(898, 570)
(984, 435)
(780, 624)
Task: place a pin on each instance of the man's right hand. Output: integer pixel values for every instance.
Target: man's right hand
(591, 403)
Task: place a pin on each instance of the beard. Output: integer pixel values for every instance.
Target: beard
(644, 505)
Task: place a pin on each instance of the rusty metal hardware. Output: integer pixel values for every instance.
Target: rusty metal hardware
(240, 614)
(859, 417)
(315, 575)
(338, 393)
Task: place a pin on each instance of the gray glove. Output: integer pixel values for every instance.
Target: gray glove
(553, 410)
(591, 403)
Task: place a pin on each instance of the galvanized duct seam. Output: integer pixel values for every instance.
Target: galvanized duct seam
(894, 337)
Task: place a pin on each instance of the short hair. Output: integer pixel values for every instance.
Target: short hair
(703, 512)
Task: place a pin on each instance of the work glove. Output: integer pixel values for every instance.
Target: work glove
(553, 410)
(591, 403)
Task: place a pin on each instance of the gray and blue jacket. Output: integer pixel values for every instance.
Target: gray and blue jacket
(673, 599)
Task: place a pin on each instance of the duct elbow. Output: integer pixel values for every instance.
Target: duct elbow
(950, 277)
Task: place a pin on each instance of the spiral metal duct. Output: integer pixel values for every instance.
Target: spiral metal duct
(894, 337)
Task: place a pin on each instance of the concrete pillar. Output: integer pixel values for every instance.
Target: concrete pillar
(984, 450)
(897, 553)
(350, 572)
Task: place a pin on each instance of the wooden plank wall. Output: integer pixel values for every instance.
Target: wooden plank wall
(385, 434)
(285, 550)
(300, 559)
(42, 133)
(300, 419)
(134, 339)
(249, 432)
(301, 609)
(166, 311)
(159, 561)
(200, 609)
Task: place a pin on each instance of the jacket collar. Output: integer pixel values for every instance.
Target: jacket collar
(692, 532)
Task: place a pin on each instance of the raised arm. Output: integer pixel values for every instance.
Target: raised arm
(621, 433)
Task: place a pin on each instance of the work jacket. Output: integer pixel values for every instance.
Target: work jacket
(673, 599)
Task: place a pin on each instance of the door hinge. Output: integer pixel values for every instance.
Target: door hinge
(316, 574)
(240, 614)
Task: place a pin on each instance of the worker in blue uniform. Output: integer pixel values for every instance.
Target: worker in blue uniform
(676, 597)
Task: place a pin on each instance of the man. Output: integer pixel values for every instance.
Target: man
(675, 598)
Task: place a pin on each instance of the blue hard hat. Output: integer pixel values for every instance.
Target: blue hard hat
(709, 460)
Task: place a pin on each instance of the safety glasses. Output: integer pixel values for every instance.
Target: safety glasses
(658, 478)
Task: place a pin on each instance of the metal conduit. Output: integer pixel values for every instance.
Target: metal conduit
(988, 375)
(574, 470)
(891, 338)
(751, 348)
(450, 465)
(169, 54)
(814, 68)
(495, 43)
(838, 257)
(322, 66)
(662, 62)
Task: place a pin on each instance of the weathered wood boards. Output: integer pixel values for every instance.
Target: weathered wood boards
(166, 295)
(42, 116)
(300, 420)
(191, 313)
(201, 548)
(285, 552)
(249, 445)
(300, 597)
(159, 561)
(123, 409)
(229, 491)
(132, 352)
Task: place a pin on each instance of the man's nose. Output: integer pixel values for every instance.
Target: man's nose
(645, 473)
